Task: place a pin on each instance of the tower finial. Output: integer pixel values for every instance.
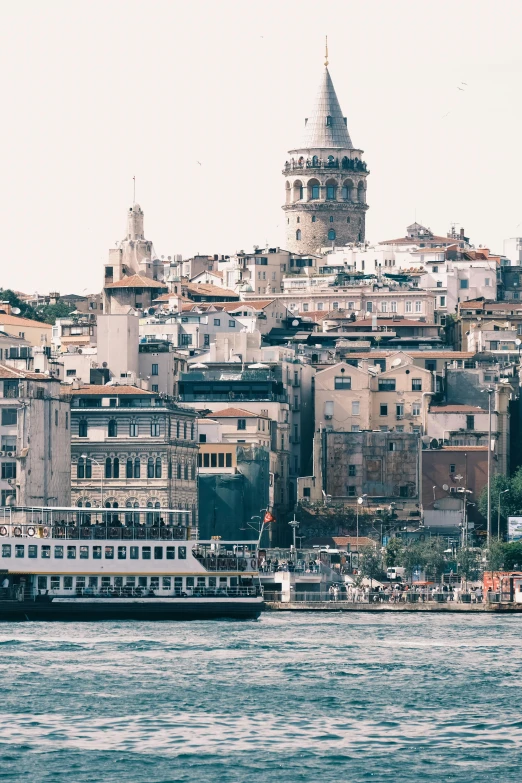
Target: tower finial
(326, 53)
(134, 190)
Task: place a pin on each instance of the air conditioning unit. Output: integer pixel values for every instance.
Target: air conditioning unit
(461, 489)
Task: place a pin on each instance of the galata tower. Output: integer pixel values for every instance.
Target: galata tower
(325, 180)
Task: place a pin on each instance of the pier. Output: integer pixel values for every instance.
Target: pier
(428, 606)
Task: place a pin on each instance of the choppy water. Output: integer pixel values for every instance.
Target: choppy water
(288, 698)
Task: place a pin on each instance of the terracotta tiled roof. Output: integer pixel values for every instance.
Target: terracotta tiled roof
(136, 281)
(111, 391)
(352, 541)
(9, 372)
(234, 413)
(229, 307)
(206, 289)
(14, 320)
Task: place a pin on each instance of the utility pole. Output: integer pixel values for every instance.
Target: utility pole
(490, 391)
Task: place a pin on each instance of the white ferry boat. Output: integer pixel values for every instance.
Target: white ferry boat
(104, 564)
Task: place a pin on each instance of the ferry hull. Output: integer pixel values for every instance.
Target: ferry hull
(95, 610)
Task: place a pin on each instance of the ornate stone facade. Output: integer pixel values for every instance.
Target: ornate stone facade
(325, 181)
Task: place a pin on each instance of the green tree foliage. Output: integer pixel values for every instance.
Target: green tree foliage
(49, 313)
(505, 557)
(510, 502)
(394, 550)
(370, 563)
(26, 311)
(469, 563)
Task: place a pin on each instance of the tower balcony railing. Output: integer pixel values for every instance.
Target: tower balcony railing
(347, 164)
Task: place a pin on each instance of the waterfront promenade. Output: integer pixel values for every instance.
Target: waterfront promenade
(428, 606)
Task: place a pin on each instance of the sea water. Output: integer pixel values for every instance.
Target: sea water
(291, 697)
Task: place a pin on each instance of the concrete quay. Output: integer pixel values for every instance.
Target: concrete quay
(428, 606)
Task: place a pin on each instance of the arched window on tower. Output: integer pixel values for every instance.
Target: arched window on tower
(313, 218)
(298, 234)
(328, 121)
(331, 219)
(331, 235)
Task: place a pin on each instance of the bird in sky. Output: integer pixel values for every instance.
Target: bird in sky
(200, 164)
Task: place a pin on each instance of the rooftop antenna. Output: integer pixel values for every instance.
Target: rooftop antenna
(134, 190)
(326, 53)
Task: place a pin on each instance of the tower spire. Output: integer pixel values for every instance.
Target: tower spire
(326, 53)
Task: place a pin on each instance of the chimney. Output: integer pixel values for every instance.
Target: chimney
(462, 233)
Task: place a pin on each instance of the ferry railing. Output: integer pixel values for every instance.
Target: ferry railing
(143, 592)
(95, 532)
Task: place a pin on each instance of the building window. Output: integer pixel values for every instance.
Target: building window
(343, 382)
(129, 469)
(154, 429)
(335, 305)
(416, 384)
(416, 409)
(298, 234)
(418, 307)
(320, 306)
(108, 468)
(178, 469)
(150, 467)
(305, 307)
(351, 470)
(351, 491)
(155, 369)
(442, 301)
(392, 446)
(8, 470)
(386, 384)
(133, 429)
(486, 281)
(137, 467)
(355, 428)
(9, 416)
(241, 424)
(383, 410)
(315, 191)
(470, 422)
(82, 428)
(232, 324)
(403, 492)
(384, 307)
(463, 283)
(112, 429)
(313, 218)
(452, 469)
(356, 405)
(331, 192)
(217, 321)
(157, 471)
(331, 235)
(408, 307)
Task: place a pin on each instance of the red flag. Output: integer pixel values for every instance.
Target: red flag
(268, 518)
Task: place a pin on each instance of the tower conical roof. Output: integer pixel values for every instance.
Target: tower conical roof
(321, 131)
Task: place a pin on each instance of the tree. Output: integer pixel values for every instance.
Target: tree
(370, 563)
(394, 550)
(434, 556)
(26, 311)
(469, 563)
(510, 502)
(49, 313)
(505, 557)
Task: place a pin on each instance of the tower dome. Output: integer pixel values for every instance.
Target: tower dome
(325, 180)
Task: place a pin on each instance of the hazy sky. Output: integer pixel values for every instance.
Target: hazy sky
(97, 92)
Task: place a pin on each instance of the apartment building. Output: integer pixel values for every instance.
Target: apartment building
(133, 449)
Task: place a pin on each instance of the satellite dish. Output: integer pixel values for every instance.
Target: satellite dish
(396, 362)
(518, 341)
(104, 364)
(295, 322)
(151, 310)
(445, 487)
(17, 311)
(360, 501)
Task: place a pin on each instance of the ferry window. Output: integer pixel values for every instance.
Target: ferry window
(142, 581)
(154, 583)
(6, 550)
(166, 583)
(212, 581)
(19, 550)
(42, 583)
(55, 583)
(46, 551)
(71, 553)
(171, 553)
(118, 581)
(67, 583)
(134, 552)
(158, 553)
(109, 553)
(32, 550)
(105, 581)
(182, 552)
(190, 581)
(122, 553)
(178, 584)
(228, 458)
(96, 552)
(201, 581)
(80, 583)
(222, 581)
(233, 581)
(131, 581)
(93, 581)
(84, 553)
(145, 552)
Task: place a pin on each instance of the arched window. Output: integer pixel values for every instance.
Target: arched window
(170, 469)
(184, 430)
(298, 234)
(108, 468)
(150, 467)
(178, 470)
(133, 429)
(313, 218)
(80, 468)
(149, 513)
(193, 471)
(79, 504)
(360, 193)
(116, 468)
(186, 471)
(331, 219)
(113, 429)
(331, 235)
(82, 429)
(129, 469)
(346, 190)
(315, 160)
(331, 190)
(328, 124)
(158, 467)
(137, 467)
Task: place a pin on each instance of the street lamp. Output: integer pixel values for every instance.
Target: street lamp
(360, 501)
(498, 518)
(294, 524)
(85, 457)
(489, 391)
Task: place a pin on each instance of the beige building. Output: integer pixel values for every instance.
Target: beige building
(351, 399)
(34, 332)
